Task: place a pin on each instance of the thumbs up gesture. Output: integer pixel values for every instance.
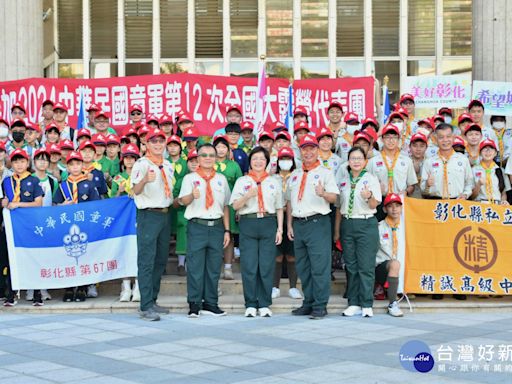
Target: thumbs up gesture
(150, 176)
(195, 193)
(319, 189)
(365, 192)
(430, 180)
(252, 192)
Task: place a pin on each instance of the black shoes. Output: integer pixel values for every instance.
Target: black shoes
(302, 311)
(318, 314)
(212, 310)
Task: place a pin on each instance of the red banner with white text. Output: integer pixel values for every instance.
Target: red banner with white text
(204, 97)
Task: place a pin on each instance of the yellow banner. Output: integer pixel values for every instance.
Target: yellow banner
(458, 247)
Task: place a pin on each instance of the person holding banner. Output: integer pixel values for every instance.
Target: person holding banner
(387, 266)
(258, 199)
(309, 193)
(360, 194)
(490, 184)
(21, 190)
(206, 195)
(152, 183)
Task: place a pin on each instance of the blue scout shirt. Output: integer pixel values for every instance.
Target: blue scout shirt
(29, 191)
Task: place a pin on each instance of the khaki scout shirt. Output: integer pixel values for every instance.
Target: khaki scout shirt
(403, 172)
(272, 189)
(153, 194)
(385, 251)
(360, 206)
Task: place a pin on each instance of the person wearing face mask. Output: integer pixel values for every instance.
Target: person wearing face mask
(399, 118)
(344, 142)
(18, 129)
(426, 128)
(502, 136)
(447, 114)
(282, 139)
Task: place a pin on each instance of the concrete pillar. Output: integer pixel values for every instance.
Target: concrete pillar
(21, 39)
(492, 20)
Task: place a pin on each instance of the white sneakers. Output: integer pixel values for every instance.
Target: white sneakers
(368, 312)
(250, 312)
(276, 292)
(228, 274)
(352, 310)
(136, 292)
(294, 293)
(45, 295)
(265, 312)
(92, 291)
(394, 310)
(128, 293)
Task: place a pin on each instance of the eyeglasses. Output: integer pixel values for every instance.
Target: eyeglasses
(100, 121)
(205, 155)
(59, 111)
(157, 141)
(357, 159)
(136, 113)
(390, 137)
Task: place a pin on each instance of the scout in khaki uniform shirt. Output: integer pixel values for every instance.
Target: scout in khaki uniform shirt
(258, 200)
(473, 137)
(152, 178)
(387, 267)
(336, 123)
(206, 194)
(346, 136)
(325, 143)
(360, 195)
(418, 147)
(310, 191)
(447, 175)
(247, 136)
(394, 170)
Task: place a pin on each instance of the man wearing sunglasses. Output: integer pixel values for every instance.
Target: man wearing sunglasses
(136, 115)
(151, 182)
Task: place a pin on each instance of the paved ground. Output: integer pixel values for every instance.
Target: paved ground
(120, 348)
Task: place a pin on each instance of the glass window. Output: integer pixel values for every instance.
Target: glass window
(350, 28)
(103, 29)
(283, 69)
(71, 71)
(385, 19)
(244, 68)
(345, 68)
(279, 28)
(244, 28)
(312, 69)
(175, 67)
(456, 67)
(48, 25)
(173, 28)
(421, 67)
(208, 28)
(457, 17)
(70, 29)
(103, 70)
(138, 28)
(314, 28)
(422, 26)
(392, 70)
(209, 67)
(135, 69)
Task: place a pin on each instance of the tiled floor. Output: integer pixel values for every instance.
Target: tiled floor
(121, 348)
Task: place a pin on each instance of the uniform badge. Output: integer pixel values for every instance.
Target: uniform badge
(459, 163)
(435, 165)
(342, 185)
(316, 177)
(97, 178)
(86, 185)
(294, 178)
(247, 187)
(29, 183)
(219, 183)
(271, 186)
(379, 164)
(84, 197)
(27, 193)
(478, 174)
(196, 183)
(385, 236)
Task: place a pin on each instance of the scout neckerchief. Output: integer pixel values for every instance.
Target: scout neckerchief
(353, 183)
(285, 175)
(325, 158)
(124, 178)
(473, 157)
(89, 168)
(348, 138)
(72, 194)
(501, 144)
(159, 161)
(306, 169)
(394, 228)
(390, 168)
(405, 135)
(258, 179)
(446, 193)
(488, 178)
(17, 188)
(207, 178)
(222, 165)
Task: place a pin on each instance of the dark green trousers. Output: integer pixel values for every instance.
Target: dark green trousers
(153, 235)
(313, 248)
(360, 240)
(257, 259)
(204, 262)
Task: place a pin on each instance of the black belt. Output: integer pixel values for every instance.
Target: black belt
(428, 197)
(159, 210)
(206, 222)
(308, 218)
(258, 215)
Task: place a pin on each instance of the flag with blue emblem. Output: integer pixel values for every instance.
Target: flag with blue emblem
(82, 121)
(71, 245)
(288, 120)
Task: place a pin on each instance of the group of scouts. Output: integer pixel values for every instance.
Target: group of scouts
(282, 199)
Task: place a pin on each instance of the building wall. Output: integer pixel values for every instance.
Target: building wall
(21, 39)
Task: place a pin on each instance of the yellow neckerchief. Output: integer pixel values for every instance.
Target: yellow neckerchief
(126, 181)
(446, 193)
(472, 156)
(348, 138)
(501, 144)
(406, 135)
(488, 179)
(17, 189)
(324, 158)
(91, 167)
(220, 164)
(390, 168)
(285, 179)
(74, 185)
(394, 228)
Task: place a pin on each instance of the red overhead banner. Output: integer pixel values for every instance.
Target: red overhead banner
(204, 97)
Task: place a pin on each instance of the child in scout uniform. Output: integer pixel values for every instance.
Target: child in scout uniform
(237, 154)
(113, 148)
(179, 165)
(54, 167)
(101, 162)
(266, 140)
(83, 135)
(232, 171)
(88, 150)
(418, 147)
(66, 146)
(328, 159)
(31, 137)
(258, 199)
(335, 114)
(501, 135)
(152, 183)
(285, 252)
(282, 139)
(76, 189)
(121, 185)
(300, 129)
(387, 267)
(49, 185)
(360, 194)
(18, 130)
(191, 139)
(490, 184)
(52, 134)
(309, 193)
(473, 135)
(166, 122)
(21, 190)
(247, 136)
(206, 194)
